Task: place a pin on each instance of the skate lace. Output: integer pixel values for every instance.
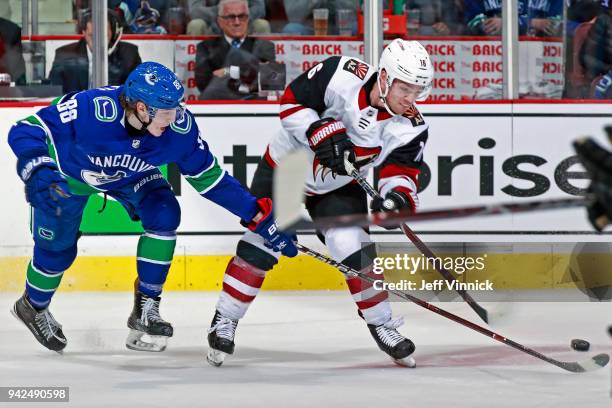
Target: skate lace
(225, 327)
(47, 324)
(150, 311)
(388, 333)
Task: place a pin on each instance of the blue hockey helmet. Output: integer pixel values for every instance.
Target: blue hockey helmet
(156, 86)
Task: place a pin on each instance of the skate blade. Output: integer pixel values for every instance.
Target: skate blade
(135, 342)
(405, 362)
(215, 357)
(14, 313)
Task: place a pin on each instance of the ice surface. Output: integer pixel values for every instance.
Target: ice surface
(307, 349)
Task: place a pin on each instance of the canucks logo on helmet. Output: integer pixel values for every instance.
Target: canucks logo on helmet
(157, 87)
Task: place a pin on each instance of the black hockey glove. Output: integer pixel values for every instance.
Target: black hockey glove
(328, 139)
(45, 187)
(398, 199)
(598, 163)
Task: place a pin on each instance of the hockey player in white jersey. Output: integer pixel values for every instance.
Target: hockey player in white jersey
(341, 106)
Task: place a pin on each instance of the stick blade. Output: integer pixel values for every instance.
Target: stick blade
(480, 311)
(288, 193)
(594, 363)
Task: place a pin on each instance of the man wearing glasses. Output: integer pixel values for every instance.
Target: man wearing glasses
(226, 66)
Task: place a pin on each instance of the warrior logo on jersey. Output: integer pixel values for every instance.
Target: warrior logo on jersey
(357, 68)
(414, 116)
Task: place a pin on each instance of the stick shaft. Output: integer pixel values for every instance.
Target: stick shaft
(482, 330)
(371, 191)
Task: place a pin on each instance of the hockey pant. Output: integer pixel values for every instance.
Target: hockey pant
(55, 237)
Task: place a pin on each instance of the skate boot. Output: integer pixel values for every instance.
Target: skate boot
(220, 338)
(389, 340)
(41, 323)
(145, 320)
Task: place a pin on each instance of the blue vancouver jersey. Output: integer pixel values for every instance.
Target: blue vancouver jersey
(86, 135)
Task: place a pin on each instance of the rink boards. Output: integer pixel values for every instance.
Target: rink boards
(476, 153)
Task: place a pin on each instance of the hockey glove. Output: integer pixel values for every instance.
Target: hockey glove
(266, 228)
(328, 139)
(398, 199)
(598, 163)
(45, 187)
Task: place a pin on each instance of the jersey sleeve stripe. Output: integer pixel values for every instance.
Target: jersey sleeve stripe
(291, 111)
(206, 180)
(214, 183)
(391, 170)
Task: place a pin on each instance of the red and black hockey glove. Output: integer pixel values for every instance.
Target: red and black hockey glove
(266, 227)
(598, 163)
(397, 199)
(328, 139)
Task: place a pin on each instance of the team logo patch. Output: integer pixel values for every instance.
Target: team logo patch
(106, 109)
(97, 179)
(357, 68)
(135, 143)
(414, 116)
(46, 234)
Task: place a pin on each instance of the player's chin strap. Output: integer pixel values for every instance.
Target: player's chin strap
(383, 95)
(144, 127)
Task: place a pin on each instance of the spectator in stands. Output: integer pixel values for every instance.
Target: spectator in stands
(203, 15)
(540, 18)
(227, 66)
(72, 66)
(11, 52)
(437, 17)
(544, 18)
(596, 54)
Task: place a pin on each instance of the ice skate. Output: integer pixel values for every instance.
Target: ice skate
(220, 339)
(145, 323)
(389, 340)
(41, 323)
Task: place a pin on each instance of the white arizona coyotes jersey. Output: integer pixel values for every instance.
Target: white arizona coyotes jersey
(339, 88)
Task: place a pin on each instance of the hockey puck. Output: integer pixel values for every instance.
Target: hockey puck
(580, 345)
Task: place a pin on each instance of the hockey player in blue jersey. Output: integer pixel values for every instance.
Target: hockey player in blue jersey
(112, 140)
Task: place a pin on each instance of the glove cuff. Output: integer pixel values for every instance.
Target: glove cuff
(322, 130)
(27, 167)
(265, 207)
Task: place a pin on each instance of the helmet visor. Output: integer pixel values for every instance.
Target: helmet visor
(168, 115)
(404, 89)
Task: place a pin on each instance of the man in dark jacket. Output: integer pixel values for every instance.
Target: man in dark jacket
(72, 66)
(227, 66)
(11, 53)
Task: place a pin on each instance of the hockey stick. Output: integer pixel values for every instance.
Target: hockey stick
(384, 219)
(290, 176)
(596, 362)
(352, 171)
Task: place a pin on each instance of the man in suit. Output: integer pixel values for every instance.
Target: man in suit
(72, 66)
(227, 66)
(11, 52)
